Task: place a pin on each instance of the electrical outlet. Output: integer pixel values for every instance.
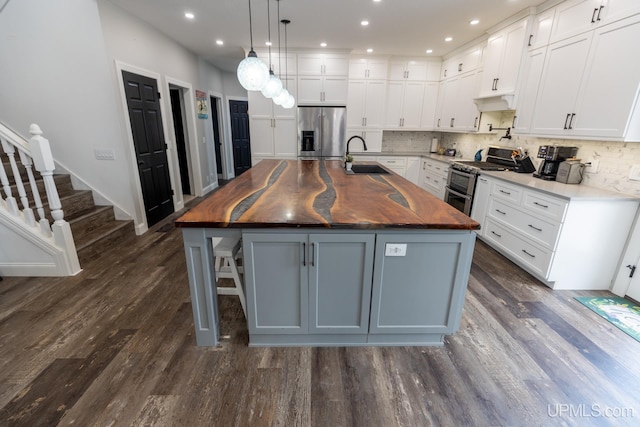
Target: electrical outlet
(634, 173)
(395, 249)
(591, 165)
(104, 154)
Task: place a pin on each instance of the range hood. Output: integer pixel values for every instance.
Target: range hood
(496, 103)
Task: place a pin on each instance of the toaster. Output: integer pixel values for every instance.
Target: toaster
(570, 172)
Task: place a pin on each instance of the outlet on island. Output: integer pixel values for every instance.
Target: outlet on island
(395, 249)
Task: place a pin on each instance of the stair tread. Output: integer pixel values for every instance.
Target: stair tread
(79, 216)
(100, 232)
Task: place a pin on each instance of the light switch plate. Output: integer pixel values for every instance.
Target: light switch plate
(104, 154)
(395, 249)
(593, 166)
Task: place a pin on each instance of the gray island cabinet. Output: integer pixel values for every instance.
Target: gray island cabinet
(387, 265)
(337, 288)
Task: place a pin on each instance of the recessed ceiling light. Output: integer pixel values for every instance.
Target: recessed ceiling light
(219, 42)
(429, 50)
(448, 39)
(377, 1)
(268, 43)
(364, 23)
(369, 50)
(323, 44)
(189, 15)
(474, 22)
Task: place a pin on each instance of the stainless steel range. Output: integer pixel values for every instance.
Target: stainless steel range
(461, 182)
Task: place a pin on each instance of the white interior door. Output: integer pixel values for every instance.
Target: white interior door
(634, 285)
(623, 284)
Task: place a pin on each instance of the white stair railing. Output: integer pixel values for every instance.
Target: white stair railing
(35, 153)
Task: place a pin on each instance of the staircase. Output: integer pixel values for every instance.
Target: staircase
(94, 228)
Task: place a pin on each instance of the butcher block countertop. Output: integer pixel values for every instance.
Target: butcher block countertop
(319, 193)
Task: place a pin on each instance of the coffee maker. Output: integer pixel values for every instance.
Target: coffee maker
(552, 156)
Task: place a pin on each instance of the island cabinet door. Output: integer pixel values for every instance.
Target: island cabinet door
(340, 274)
(419, 282)
(276, 280)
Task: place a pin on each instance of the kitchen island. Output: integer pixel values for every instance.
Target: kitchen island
(332, 258)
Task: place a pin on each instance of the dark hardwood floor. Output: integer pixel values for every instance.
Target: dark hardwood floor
(114, 345)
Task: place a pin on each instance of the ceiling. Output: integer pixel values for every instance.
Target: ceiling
(396, 27)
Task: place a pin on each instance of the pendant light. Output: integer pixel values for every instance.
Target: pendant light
(290, 101)
(274, 85)
(253, 74)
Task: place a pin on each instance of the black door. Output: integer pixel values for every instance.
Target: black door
(217, 143)
(240, 136)
(143, 101)
(181, 146)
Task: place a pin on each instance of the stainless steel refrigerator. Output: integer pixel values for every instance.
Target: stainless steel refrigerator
(322, 132)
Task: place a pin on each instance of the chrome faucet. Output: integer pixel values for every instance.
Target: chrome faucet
(364, 144)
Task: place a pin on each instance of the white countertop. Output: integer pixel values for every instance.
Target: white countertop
(565, 191)
(434, 156)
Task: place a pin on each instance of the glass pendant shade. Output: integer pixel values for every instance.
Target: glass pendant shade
(273, 86)
(289, 103)
(253, 74)
(282, 97)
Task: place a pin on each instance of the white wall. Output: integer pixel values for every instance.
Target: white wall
(55, 72)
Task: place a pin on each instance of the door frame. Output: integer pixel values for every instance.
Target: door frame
(630, 256)
(141, 225)
(223, 118)
(229, 139)
(188, 103)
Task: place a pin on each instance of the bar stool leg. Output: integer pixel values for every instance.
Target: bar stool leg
(238, 284)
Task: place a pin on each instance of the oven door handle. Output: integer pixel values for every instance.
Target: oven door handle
(455, 193)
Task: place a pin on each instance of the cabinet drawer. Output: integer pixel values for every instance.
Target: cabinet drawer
(543, 232)
(507, 192)
(397, 162)
(548, 206)
(434, 184)
(437, 168)
(531, 256)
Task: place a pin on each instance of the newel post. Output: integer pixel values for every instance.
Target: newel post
(43, 162)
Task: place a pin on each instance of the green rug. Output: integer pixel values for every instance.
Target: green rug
(621, 312)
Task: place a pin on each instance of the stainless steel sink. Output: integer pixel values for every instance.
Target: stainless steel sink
(358, 169)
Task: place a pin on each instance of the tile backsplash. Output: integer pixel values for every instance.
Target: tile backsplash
(615, 158)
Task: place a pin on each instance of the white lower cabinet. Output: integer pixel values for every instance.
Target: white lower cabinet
(412, 172)
(481, 202)
(433, 176)
(396, 164)
(568, 243)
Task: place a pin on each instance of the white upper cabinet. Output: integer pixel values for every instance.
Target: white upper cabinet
(322, 78)
(467, 61)
(413, 70)
(502, 60)
(322, 90)
(404, 105)
(528, 93)
(366, 103)
(560, 83)
(610, 86)
(429, 105)
(541, 30)
(456, 110)
(576, 16)
(323, 64)
(590, 83)
(283, 65)
(365, 68)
